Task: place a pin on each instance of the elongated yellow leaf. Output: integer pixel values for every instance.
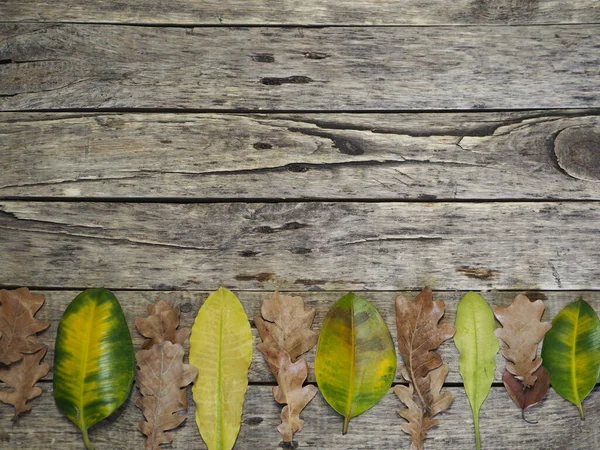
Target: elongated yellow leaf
(356, 359)
(93, 361)
(571, 352)
(478, 345)
(221, 349)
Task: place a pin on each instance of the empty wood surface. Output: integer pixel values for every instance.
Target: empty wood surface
(299, 156)
(134, 305)
(558, 427)
(348, 246)
(213, 12)
(53, 66)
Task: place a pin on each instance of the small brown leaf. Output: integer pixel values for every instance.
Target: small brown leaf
(161, 325)
(522, 331)
(22, 377)
(419, 334)
(160, 379)
(18, 326)
(526, 396)
(284, 327)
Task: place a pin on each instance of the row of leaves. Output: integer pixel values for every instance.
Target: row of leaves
(355, 361)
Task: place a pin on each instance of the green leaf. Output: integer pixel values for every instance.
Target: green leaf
(478, 345)
(221, 349)
(94, 361)
(571, 352)
(356, 359)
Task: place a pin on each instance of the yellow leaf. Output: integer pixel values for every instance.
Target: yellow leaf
(221, 349)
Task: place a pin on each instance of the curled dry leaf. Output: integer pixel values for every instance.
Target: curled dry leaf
(522, 332)
(161, 325)
(285, 329)
(18, 326)
(419, 334)
(22, 377)
(526, 396)
(160, 379)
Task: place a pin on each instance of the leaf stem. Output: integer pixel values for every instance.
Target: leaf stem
(477, 437)
(346, 422)
(86, 440)
(580, 408)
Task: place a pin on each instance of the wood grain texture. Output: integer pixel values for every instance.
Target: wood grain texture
(337, 156)
(52, 66)
(558, 428)
(212, 12)
(134, 305)
(348, 246)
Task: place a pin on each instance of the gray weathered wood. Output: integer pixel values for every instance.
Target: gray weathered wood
(213, 12)
(578, 152)
(345, 156)
(558, 428)
(134, 305)
(352, 246)
(54, 66)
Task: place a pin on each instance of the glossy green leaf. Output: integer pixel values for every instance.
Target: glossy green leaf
(221, 349)
(94, 361)
(478, 345)
(356, 359)
(571, 352)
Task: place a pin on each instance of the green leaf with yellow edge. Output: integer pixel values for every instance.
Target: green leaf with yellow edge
(571, 352)
(478, 345)
(221, 349)
(94, 362)
(356, 359)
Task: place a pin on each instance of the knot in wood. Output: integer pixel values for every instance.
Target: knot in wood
(578, 152)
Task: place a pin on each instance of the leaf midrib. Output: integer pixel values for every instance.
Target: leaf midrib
(573, 352)
(84, 361)
(349, 401)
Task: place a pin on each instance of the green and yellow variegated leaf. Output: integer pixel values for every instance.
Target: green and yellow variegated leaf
(571, 352)
(478, 345)
(94, 361)
(356, 359)
(221, 349)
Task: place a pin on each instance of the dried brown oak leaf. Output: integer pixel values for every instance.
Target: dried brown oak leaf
(284, 325)
(160, 379)
(522, 331)
(18, 326)
(419, 334)
(22, 376)
(161, 325)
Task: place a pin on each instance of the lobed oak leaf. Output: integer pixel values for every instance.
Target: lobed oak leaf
(284, 327)
(160, 379)
(521, 331)
(161, 325)
(18, 326)
(419, 334)
(22, 377)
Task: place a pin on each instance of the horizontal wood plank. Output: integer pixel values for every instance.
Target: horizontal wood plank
(134, 305)
(348, 246)
(558, 427)
(53, 66)
(341, 156)
(212, 12)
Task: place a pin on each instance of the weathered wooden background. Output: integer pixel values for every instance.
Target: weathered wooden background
(161, 149)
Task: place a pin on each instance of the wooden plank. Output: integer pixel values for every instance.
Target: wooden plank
(558, 427)
(134, 304)
(343, 156)
(346, 246)
(212, 12)
(51, 66)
